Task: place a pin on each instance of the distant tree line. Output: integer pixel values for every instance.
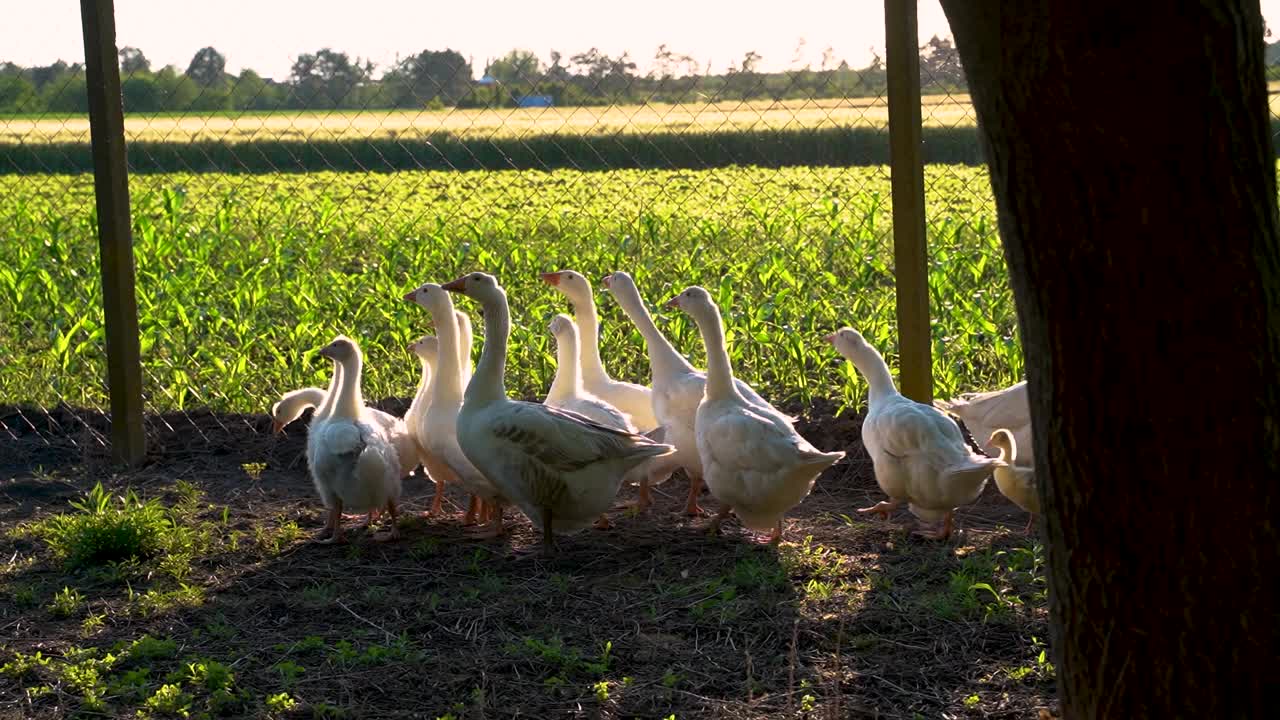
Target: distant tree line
(329, 79)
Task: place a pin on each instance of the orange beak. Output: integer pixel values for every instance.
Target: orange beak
(606, 280)
(459, 285)
(830, 338)
(411, 296)
(673, 302)
(551, 278)
(276, 427)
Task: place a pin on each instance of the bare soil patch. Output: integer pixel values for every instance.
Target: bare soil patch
(653, 618)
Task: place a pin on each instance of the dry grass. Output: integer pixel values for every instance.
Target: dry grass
(939, 110)
(653, 618)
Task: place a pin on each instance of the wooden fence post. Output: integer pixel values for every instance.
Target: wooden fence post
(115, 234)
(910, 254)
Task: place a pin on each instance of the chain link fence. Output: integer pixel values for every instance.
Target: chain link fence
(974, 320)
(269, 216)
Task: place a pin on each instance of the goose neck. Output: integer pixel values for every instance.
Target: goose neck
(350, 401)
(662, 354)
(448, 383)
(873, 367)
(568, 380)
(423, 394)
(720, 384)
(584, 314)
(488, 383)
(331, 395)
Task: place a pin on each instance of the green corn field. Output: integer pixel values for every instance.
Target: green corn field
(242, 277)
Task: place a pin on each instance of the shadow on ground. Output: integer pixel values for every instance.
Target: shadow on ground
(652, 618)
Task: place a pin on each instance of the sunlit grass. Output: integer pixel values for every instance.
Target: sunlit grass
(242, 278)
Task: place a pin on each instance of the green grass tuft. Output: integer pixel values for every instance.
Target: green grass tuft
(102, 532)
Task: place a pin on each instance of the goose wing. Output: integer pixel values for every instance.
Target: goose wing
(547, 456)
(747, 439)
(564, 441)
(911, 430)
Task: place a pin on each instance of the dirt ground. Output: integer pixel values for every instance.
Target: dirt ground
(654, 618)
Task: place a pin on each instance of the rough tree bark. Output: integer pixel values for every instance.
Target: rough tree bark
(1135, 179)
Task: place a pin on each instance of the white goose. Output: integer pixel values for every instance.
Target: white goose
(632, 399)
(566, 391)
(560, 468)
(444, 459)
(426, 349)
(918, 453)
(1015, 482)
(677, 391)
(755, 462)
(293, 403)
(354, 464)
(984, 413)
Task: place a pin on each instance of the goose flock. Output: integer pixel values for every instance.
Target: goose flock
(561, 462)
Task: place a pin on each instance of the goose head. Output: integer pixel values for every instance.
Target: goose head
(425, 347)
(561, 325)
(619, 280)
(433, 298)
(572, 284)
(694, 300)
(849, 343)
(278, 419)
(1003, 441)
(341, 349)
(477, 286)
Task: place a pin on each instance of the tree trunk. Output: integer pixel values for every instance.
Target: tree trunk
(1135, 178)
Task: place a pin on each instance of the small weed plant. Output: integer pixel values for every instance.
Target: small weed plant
(103, 530)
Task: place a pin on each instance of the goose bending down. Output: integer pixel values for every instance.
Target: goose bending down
(560, 468)
(984, 413)
(634, 400)
(354, 463)
(1014, 481)
(443, 457)
(918, 453)
(677, 391)
(295, 402)
(755, 462)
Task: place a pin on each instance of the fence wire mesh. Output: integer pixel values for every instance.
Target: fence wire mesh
(269, 216)
(975, 335)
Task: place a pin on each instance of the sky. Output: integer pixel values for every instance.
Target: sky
(267, 35)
